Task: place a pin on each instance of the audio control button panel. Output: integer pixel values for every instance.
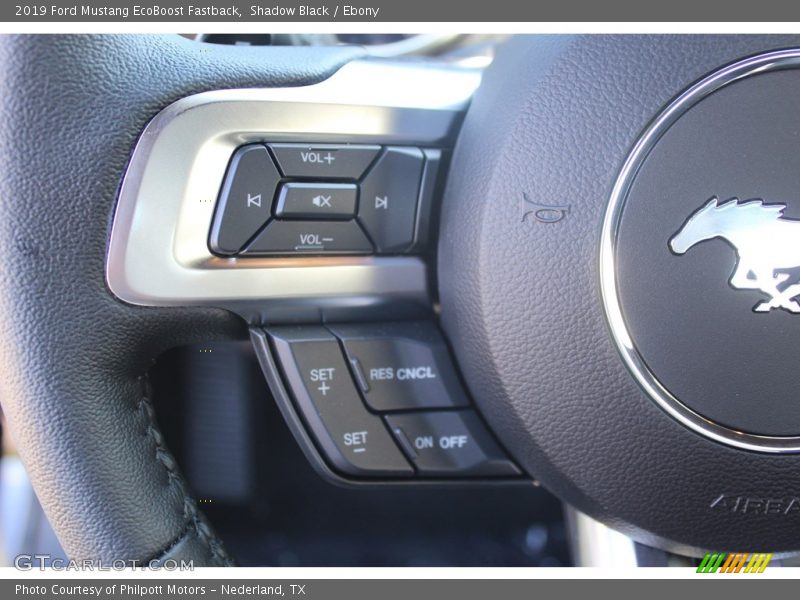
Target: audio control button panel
(280, 199)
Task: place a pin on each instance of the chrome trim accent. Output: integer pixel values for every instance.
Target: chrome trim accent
(158, 253)
(772, 61)
(420, 44)
(593, 544)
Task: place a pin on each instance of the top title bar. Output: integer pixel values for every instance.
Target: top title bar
(390, 11)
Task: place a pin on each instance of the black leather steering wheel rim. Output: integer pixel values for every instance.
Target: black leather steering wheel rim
(75, 389)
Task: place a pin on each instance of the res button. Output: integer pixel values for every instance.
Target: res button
(401, 365)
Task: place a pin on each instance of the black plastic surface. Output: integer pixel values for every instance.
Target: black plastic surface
(245, 200)
(309, 237)
(450, 443)
(401, 365)
(324, 161)
(388, 199)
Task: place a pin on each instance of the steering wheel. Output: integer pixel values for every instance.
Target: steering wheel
(626, 372)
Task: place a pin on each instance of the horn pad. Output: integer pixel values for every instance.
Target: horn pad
(586, 284)
(701, 293)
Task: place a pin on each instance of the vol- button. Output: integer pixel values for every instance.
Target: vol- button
(310, 237)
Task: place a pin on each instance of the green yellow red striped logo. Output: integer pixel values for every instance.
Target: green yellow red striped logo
(736, 562)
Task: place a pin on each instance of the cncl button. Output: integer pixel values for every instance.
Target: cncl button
(408, 373)
(401, 365)
(452, 443)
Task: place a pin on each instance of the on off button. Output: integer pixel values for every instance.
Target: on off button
(450, 443)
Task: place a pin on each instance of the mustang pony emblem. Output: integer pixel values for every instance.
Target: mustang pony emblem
(765, 241)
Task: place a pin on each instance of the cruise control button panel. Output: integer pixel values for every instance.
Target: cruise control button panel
(409, 417)
(401, 366)
(273, 190)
